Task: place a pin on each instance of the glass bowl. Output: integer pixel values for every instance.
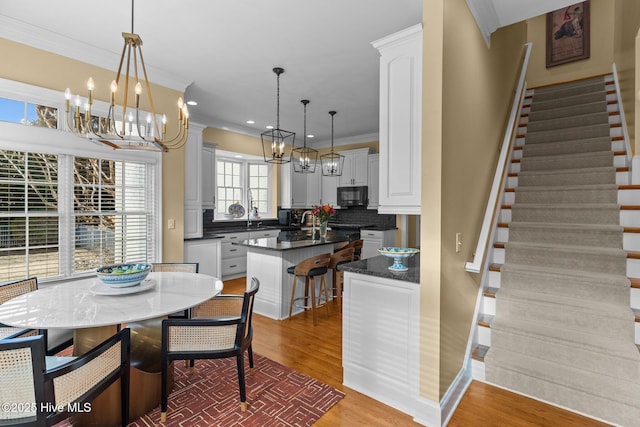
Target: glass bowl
(398, 254)
(123, 275)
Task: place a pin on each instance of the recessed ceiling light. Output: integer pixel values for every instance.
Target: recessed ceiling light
(269, 127)
(192, 103)
(251, 122)
(311, 136)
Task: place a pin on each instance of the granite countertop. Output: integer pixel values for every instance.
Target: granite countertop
(379, 266)
(288, 240)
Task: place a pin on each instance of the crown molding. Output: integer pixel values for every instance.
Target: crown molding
(21, 32)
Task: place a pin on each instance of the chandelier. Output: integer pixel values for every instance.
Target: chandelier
(274, 141)
(332, 162)
(304, 158)
(125, 126)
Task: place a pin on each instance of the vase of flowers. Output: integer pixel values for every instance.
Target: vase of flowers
(323, 212)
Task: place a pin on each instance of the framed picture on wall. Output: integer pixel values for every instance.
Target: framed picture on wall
(568, 34)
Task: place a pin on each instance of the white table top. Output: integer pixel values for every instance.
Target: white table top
(75, 304)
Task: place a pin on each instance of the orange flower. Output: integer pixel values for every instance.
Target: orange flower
(324, 212)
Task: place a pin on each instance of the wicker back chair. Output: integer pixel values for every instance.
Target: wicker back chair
(344, 255)
(181, 267)
(26, 382)
(229, 334)
(12, 290)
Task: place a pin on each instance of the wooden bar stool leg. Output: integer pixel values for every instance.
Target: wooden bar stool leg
(339, 290)
(306, 293)
(313, 300)
(293, 295)
(325, 287)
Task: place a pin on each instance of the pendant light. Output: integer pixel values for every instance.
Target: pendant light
(274, 141)
(332, 162)
(304, 158)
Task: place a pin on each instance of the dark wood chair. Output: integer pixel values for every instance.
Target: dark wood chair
(57, 384)
(344, 255)
(311, 268)
(227, 334)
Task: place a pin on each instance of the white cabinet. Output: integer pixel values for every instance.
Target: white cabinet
(234, 257)
(330, 190)
(193, 182)
(314, 189)
(299, 190)
(356, 164)
(293, 187)
(381, 339)
(205, 252)
(374, 184)
(400, 121)
(372, 240)
(208, 177)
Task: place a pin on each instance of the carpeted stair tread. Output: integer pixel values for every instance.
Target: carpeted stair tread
(567, 161)
(595, 355)
(568, 91)
(586, 84)
(557, 123)
(600, 143)
(621, 347)
(568, 386)
(609, 260)
(577, 132)
(560, 103)
(574, 110)
(575, 305)
(611, 288)
(605, 235)
(597, 175)
(587, 213)
(589, 193)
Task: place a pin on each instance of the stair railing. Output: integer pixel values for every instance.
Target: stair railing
(502, 169)
(623, 120)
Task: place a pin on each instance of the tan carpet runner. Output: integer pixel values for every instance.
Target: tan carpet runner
(564, 329)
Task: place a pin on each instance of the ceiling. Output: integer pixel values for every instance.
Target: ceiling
(221, 52)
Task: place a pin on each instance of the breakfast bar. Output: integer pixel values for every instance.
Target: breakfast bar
(269, 258)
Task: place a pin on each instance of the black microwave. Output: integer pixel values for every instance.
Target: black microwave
(353, 196)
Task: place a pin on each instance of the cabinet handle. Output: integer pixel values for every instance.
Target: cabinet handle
(232, 250)
(232, 266)
(233, 237)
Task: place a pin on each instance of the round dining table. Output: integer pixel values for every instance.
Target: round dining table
(95, 311)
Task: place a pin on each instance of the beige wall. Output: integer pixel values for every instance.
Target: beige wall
(25, 64)
(626, 24)
(460, 149)
(599, 62)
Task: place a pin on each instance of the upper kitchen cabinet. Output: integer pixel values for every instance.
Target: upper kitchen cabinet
(355, 169)
(400, 121)
(293, 190)
(208, 176)
(374, 183)
(193, 182)
(314, 187)
(330, 190)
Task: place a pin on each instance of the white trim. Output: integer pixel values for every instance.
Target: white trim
(623, 120)
(397, 38)
(49, 41)
(486, 18)
(501, 169)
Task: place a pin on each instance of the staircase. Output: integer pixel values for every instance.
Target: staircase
(559, 320)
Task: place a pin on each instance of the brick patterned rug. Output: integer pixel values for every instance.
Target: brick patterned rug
(276, 396)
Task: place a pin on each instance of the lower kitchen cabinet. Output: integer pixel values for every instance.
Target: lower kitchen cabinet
(372, 240)
(206, 252)
(234, 257)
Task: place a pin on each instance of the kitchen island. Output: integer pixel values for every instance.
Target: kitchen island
(268, 260)
(381, 331)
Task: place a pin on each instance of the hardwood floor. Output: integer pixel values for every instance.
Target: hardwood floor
(317, 352)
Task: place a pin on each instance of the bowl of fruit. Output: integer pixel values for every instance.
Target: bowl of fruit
(123, 275)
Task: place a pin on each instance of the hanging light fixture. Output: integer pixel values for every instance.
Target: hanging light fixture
(332, 162)
(304, 158)
(126, 128)
(274, 141)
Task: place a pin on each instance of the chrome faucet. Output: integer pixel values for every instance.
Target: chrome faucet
(313, 221)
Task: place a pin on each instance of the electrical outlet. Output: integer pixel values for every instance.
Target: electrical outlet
(171, 224)
(458, 242)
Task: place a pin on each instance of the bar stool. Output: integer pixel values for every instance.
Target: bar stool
(357, 245)
(310, 268)
(344, 255)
